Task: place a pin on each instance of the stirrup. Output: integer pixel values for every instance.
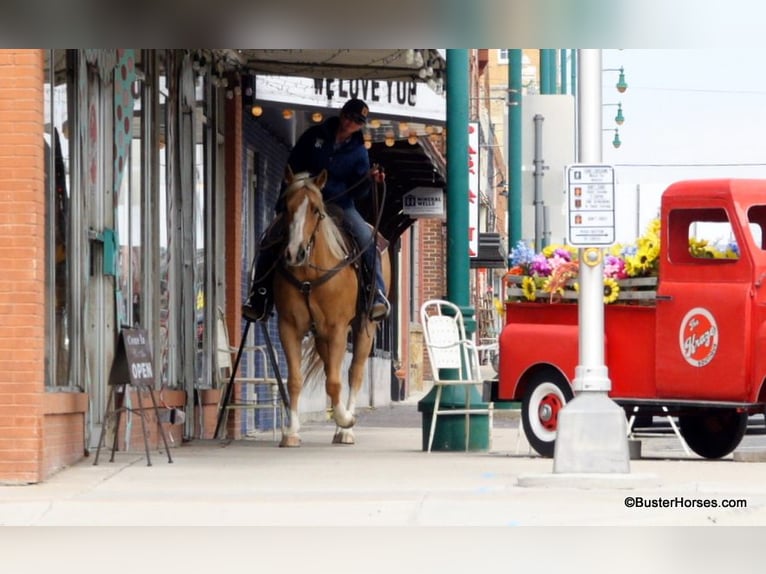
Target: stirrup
(381, 308)
(257, 306)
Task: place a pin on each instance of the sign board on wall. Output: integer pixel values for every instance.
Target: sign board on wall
(424, 202)
(473, 189)
(405, 98)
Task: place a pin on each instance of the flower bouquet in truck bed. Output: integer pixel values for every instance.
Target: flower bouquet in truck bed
(630, 271)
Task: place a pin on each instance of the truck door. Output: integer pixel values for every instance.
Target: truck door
(703, 307)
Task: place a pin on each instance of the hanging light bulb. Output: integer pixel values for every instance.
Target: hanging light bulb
(616, 141)
(256, 110)
(389, 141)
(412, 139)
(287, 114)
(316, 117)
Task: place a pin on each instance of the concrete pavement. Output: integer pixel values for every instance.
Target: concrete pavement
(383, 480)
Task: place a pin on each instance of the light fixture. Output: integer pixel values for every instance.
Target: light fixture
(621, 85)
(619, 119)
(287, 113)
(389, 141)
(616, 143)
(368, 144)
(375, 123)
(256, 110)
(412, 138)
(316, 117)
(403, 127)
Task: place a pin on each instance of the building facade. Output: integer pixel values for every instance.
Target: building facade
(134, 185)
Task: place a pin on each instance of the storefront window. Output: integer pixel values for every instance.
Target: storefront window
(57, 178)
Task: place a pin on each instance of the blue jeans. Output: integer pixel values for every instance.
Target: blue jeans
(362, 232)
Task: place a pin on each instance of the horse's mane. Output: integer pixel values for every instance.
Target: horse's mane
(333, 236)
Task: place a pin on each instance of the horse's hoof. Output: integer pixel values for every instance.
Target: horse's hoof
(344, 436)
(290, 441)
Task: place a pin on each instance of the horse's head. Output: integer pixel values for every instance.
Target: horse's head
(304, 210)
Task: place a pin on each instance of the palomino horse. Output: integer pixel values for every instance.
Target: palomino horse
(315, 291)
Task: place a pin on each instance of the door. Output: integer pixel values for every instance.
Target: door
(703, 308)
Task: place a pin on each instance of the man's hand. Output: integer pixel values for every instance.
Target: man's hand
(377, 174)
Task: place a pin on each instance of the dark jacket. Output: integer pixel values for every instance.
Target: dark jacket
(348, 166)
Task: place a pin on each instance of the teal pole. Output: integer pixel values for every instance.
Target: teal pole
(450, 430)
(563, 70)
(514, 147)
(574, 72)
(548, 71)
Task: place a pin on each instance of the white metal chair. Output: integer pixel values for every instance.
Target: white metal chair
(449, 348)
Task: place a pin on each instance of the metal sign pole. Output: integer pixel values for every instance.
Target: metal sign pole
(592, 430)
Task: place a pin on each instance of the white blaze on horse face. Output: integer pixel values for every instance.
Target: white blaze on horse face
(296, 252)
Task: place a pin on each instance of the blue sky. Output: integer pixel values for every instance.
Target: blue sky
(689, 114)
(706, 108)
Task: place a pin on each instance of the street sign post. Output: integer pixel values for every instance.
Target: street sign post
(590, 205)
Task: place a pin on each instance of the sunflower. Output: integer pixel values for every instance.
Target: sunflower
(611, 290)
(528, 288)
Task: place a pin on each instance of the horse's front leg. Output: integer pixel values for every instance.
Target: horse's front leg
(333, 350)
(292, 348)
(362, 345)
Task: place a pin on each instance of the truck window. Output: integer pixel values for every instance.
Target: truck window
(756, 216)
(701, 234)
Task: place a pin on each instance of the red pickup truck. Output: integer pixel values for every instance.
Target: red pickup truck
(692, 346)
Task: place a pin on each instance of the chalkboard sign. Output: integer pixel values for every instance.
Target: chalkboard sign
(133, 360)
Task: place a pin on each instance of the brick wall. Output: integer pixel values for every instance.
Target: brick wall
(22, 258)
(433, 268)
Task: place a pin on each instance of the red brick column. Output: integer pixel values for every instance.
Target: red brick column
(233, 230)
(22, 265)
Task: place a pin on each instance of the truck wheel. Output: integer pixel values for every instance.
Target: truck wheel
(713, 432)
(545, 396)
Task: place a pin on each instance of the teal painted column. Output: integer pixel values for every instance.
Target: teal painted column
(563, 70)
(514, 147)
(450, 430)
(547, 71)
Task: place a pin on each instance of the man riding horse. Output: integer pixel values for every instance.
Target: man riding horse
(336, 145)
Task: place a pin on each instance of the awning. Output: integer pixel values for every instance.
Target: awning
(342, 63)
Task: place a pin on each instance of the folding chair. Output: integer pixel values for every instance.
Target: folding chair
(450, 349)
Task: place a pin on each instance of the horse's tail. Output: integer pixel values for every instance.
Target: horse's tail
(312, 366)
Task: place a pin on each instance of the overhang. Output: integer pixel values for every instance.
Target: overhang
(399, 64)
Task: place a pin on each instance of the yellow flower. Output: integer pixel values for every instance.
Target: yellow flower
(611, 290)
(654, 227)
(528, 287)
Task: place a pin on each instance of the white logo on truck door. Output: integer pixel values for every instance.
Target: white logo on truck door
(698, 337)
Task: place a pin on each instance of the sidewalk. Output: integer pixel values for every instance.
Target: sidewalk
(383, 480)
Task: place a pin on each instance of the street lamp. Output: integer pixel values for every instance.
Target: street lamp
(616, 143)
(619, 119)
(621, 85)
